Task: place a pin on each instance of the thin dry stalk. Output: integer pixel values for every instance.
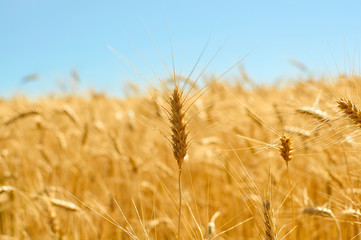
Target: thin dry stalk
(255, 118)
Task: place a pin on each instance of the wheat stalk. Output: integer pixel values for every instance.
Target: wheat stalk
(178, 138)
(286, 150)
(254, 117)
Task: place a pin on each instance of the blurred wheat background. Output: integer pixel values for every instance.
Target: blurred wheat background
(100, 168)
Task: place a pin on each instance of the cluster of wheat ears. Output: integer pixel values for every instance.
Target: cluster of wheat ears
(228, 161)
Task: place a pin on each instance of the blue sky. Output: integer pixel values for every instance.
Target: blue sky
(50, 38)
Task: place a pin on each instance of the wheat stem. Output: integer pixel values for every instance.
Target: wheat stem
(180, 203)
(286, 149)
(179, 139)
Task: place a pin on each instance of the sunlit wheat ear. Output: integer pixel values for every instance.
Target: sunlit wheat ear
(7, 189)
(178, 126)
(53, 221)
(64, 204)
(323, 212)
(352, 213)
(286, 148)
(350, 109)
(319, 211)
(298, 131)
(315, 113)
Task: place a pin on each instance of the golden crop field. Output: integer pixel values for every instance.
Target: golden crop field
(256, 163)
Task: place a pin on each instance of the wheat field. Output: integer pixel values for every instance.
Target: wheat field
(257, 163)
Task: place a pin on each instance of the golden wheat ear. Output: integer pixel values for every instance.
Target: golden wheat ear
(350, 110)
(286, 148)
(178, 126)
(268, 221)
